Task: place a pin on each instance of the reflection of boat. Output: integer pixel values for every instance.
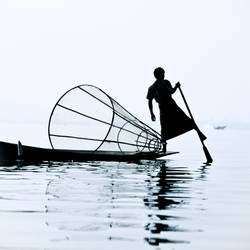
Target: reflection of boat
(87, 124)
(220, 127)
(11, 153)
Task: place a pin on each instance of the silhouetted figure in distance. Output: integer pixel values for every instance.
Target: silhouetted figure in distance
(173, 120)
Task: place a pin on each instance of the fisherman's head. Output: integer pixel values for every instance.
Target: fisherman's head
(159, 73)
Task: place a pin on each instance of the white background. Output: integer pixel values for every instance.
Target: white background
(49, 46)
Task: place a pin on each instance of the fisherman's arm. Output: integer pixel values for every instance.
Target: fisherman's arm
(177, 85)
(150, 105)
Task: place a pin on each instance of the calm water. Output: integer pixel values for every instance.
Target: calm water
(175, 203)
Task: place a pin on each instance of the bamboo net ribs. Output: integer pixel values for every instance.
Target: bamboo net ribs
(86, 118)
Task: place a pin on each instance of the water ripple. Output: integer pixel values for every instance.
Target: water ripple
(159, 204)
(111, 198)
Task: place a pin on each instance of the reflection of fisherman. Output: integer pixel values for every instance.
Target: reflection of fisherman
(173, 120)
(162, 187)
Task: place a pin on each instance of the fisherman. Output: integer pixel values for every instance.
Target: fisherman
(173, 120)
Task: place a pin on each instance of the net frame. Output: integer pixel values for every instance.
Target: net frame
(152, 139)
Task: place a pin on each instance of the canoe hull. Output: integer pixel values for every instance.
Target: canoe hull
(10, 153)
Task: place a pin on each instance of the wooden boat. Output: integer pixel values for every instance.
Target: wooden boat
(86, 124)
(11, 154)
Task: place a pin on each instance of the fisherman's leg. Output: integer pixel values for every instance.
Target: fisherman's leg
(200, 134)
(163, 141)
(163, 133)
(193, 124)
(164, 146)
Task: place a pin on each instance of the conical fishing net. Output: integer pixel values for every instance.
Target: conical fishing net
(86, 118)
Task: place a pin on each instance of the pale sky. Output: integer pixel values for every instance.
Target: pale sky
(49, 46)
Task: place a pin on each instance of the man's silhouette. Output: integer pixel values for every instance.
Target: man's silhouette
(173, 120)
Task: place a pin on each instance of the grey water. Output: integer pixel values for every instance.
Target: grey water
(176, 202)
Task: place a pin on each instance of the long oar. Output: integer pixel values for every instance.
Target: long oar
(208, 156)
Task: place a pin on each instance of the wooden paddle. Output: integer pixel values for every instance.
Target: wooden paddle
(208, 156)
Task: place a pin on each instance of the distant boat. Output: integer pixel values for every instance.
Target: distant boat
(220, 127)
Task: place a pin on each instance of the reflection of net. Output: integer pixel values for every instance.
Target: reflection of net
(86, 118)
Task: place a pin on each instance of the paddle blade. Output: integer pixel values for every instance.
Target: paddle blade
(207, 154)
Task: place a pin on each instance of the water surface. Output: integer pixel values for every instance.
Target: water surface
(174, 203)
